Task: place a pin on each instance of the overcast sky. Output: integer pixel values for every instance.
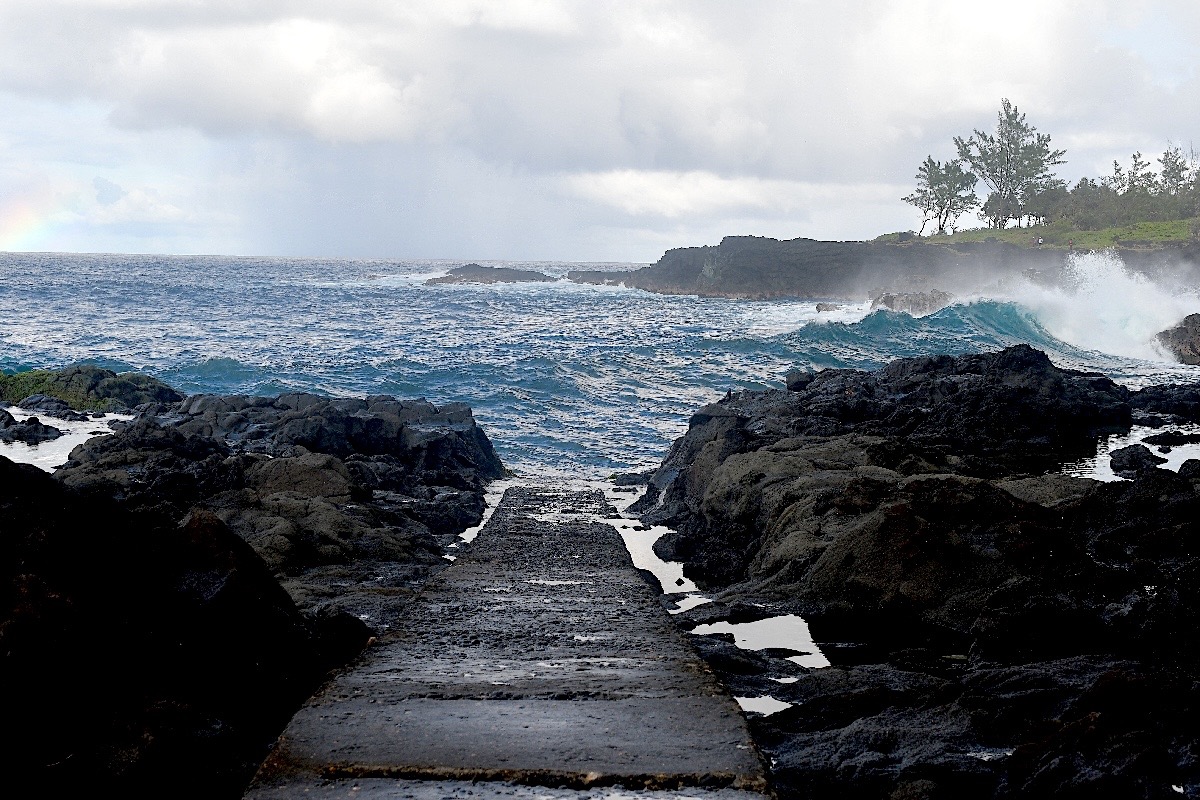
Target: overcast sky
(545, 129)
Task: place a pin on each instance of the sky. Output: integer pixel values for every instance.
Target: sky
(540, 130)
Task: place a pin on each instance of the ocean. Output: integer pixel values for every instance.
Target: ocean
(568, 380)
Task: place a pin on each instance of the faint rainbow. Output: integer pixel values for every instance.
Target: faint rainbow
(28, 223)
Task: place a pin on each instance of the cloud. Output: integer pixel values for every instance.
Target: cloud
(622, 120)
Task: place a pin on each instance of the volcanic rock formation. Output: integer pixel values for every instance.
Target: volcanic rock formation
(997, 629)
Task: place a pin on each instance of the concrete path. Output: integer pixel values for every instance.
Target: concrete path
(540, 658)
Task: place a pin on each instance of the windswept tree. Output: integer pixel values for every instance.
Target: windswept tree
(1014, 162)
(1179, 170)
(944, 193)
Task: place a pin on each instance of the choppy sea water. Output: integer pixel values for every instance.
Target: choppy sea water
(568, 380)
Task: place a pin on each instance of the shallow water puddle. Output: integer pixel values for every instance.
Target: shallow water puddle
(765, 705)
(491, 501)
(639, 541)
(50, 455)
(1099, 467)
(788, 632)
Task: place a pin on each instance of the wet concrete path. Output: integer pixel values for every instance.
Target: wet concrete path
(541, 658)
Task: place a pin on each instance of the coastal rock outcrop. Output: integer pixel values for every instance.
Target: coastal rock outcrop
(997, 629)
(918, 304)
(140, 654)
(85, 387)
(474, 273)
(170, 596)
(757, 268)
(1183, 341)
(343, 498)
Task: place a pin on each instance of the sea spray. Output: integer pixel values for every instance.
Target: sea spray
(1104, 307)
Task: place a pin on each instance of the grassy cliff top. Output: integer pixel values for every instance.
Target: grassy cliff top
(1061, 234)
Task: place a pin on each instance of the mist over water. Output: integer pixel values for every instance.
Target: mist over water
(1107, 308)
(567, 379)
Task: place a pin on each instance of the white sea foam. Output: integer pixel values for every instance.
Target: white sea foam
(765, 705)
(1105, 307)
(53, 454)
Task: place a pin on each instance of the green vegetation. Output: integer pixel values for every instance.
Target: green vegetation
(1063, 234)
(87, 388)
(1014, 162)
(1134, 205)
(16, 387)
(944, 193)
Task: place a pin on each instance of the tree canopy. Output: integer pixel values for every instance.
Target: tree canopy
(944, 193)
(1014, 162)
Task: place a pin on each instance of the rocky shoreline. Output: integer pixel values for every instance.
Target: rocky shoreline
(997, 628)
(176, 590)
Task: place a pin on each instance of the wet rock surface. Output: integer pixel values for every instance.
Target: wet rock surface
(138, 654)
(540, 657)
(347, 500)
(1183, 341)
(996, 629)
(30, 430)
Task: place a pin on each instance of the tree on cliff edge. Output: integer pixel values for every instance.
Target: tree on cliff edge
(1014, 162)
(944, 193)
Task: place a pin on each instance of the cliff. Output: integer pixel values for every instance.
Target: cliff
(759, 268)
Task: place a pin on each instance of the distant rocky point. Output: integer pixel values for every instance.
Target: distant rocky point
(760, 268)
(476, 273)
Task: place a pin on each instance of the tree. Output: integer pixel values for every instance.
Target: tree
(1178, 170)
(944, 193)
(1014, 162)
(1138, 178)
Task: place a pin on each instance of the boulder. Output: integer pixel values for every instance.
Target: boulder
(147, 654)
(52, 407)
(1183, 341)
(1128, 461)
(30, 430)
